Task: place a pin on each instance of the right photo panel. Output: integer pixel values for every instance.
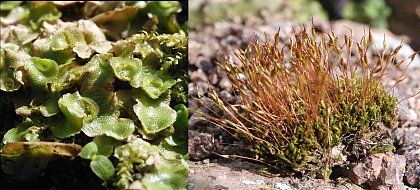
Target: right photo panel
(303, 94)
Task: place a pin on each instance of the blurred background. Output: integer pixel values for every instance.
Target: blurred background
(401, 17)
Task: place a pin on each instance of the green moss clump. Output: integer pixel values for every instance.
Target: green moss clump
(295, 110)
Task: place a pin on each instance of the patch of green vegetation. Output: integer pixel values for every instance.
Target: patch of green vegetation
(378, 149)
(372, 12)
(114, 94)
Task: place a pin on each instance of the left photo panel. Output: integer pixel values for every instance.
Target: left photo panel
(93, 95)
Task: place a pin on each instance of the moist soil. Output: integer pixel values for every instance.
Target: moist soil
(59, 174)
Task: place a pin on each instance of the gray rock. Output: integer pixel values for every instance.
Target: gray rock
(407, 138)
(414, 103)
(379, 171)
(210, 47)
(409, 141)
(406, 114)
(193, 52)
(222, 29)
(226, 96)
(199, 75)
(205, 64)
(213, 77)
(412, 174)
(225, 84)
(199, 89)
(200, 145)
(196, 120)
(231, 42)
(192, 107)
(192, 90)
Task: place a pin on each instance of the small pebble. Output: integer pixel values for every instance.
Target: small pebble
(206, 161)
(249, 182)
(281, 186)
(225, 84)
(407, 114)
(198, 75)
(212, 178)
(205, 64)
(412, 115)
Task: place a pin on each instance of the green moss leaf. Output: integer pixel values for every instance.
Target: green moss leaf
(69, 75)
(63, 128)
(181, 123)
(154, 114)
(164, 181)
(10, 59)
(43, 48)
(154, 83)
(102, 167)
(105, 145)
(117, 128)
(120, 129)
(76, 108)
(108, 112)
(8, 83)
(165, 12)
(95, 127)
(50, 106)
(42, 11)
(126, 98)
(169, 49)
(179, 90)
(167, 168)
(107, 121)
(9, 5)
(59, 42)
(99, 74)
(127, 69)
(108, 104)
(158, 53)
(89, 151)
(16, 134)
(41, 72)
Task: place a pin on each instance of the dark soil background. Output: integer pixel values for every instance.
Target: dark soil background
(59, 174)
